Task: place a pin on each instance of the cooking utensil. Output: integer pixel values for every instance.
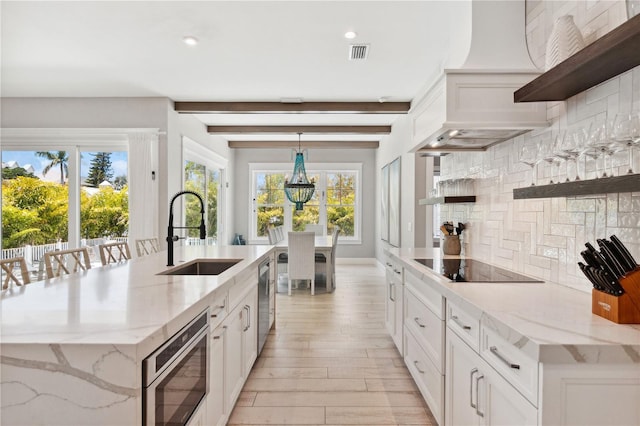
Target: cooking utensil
(631, 262)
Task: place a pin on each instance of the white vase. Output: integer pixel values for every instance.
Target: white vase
(564, 41)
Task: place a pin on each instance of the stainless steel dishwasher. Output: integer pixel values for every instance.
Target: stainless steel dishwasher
(264, 272)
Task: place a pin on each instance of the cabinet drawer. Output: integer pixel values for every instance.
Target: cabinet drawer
(425, 374)
(519, 369)
(425, 326)
(244, 282)
(430, 296)
(393, 269)
(465, 325)
(218, 308)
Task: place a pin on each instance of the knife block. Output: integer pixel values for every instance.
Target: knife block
(624, 309)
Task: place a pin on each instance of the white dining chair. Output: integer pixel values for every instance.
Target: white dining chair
(317, 228)
(302, 265)
(271, 233)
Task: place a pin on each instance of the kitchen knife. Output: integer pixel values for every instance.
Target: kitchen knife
(596, 261)
(623, 249)
(618, 255)
(615, 266)
(613, 284)
(587, 272)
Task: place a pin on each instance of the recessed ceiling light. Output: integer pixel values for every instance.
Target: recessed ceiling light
(350, 35)
(190, 40)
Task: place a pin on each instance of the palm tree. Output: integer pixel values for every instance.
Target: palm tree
(57, 158)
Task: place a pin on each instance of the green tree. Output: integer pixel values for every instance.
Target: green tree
(12, 173)
(33, 212)
(194, 180)
(120, 182)
(100, 169)
(57, 159)
(104, 214)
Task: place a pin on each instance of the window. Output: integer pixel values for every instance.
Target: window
(269, 201)
(206, 182)
(204, 174)
(336, 200)
(59, 195)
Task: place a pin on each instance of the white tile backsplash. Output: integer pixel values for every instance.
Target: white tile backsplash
(543, 237)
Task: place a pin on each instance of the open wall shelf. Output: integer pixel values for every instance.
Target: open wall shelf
(447, 200)
(605, 58)
(616, 184)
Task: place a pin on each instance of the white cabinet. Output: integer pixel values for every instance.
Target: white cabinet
(424, 341)
(476, 394)
(393, 302)
(249, 331)
(233, 362)
(216, 414)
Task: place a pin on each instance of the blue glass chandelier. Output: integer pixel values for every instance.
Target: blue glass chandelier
(299, 190)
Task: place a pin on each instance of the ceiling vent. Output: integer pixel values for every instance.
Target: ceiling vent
(358, 51)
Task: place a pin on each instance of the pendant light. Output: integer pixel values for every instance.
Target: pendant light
(299, 190)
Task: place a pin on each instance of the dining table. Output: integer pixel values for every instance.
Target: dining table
(323, 245)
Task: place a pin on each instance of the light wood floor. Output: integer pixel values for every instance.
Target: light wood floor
(330, 361)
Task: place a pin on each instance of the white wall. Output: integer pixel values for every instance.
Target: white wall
(398, 143)
(242, 188)
(543, 237)
(124, 113)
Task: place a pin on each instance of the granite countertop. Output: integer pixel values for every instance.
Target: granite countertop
(548, 321)
(119, 304)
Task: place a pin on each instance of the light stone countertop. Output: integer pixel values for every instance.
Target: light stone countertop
(549, 322)
(71, 348)
(120, 304)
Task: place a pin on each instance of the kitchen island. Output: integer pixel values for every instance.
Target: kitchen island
(71, 348)
(510, 353)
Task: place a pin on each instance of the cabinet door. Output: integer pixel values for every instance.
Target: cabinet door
(250, 330)
(215, 400)
(462, 376)
(502, 404)
(233, 372)
(390, 305)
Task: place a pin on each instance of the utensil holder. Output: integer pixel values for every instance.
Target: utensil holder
(451, 244)
(624, 309)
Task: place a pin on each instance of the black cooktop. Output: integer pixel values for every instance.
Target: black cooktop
(469, 270)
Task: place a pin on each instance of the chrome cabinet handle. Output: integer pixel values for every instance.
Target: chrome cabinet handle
(509, 364)
(460, 323)
(246, 307)
(389, 265)
(396, 271)
(418, 368)
(473, 373)
(392, 290)
(224, 330)
(220, 308)
(478, 412)
(418, 322)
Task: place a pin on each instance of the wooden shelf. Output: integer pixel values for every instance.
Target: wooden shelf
(447, 200)
(626, 183)
(605, 58)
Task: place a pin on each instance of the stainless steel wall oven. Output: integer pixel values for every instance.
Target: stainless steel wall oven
(175, 376)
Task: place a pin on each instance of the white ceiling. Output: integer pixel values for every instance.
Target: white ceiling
(247, 51)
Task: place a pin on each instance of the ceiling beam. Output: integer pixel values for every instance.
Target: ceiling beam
(306, 145)
(292, 108)
(370, 130)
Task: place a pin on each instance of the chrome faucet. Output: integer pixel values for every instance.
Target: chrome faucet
(171, 238)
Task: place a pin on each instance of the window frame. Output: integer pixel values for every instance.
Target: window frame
(196, 153)
(321, 169)
(74, 141)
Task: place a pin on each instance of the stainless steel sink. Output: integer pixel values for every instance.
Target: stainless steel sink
(203, 267)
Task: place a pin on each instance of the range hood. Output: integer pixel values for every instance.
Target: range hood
(471, 107)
